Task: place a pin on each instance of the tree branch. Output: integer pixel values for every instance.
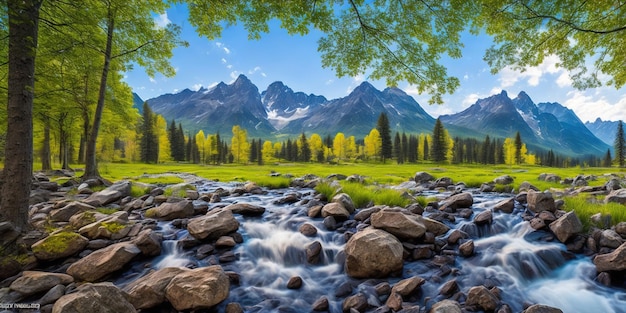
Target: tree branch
(536, 15)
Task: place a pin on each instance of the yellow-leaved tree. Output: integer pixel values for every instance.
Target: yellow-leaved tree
(373, 144)
(239, 145)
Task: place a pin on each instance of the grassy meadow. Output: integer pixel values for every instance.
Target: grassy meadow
(376, 175)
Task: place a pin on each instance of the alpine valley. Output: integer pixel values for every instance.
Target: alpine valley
(279, 113)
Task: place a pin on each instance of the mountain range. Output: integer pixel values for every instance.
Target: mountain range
(279, 112)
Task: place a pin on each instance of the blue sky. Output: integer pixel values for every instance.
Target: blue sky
(294, 60)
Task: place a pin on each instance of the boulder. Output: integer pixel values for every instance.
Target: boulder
(398, 224)
(345, 200)
(503, 180)
(85, 218)
(432, 226)
(373, 253)
(484, 217)
(295, 282)
(149, 242)
(620, 228)
(336, 210)
(149, 290)
(443, 182)
(466, 249)
(423, 177)
(617, 196)
(109, 195)
(168, 211)
(526, 186)
(614, 261)
(321, 304)
(457, 201)
(308, 230)
(33, 282)
(101, 298)
(446, 306)
(245, 209)
(506, 206)
(611, 239)
(566, 226)
(553, 178)
(408, 286)
(356, 302)
(540, 308)
(103, 262)
(212, 225)
(481, 296)
(64, 213)
(200, 288)
(540, 201)
(115, 226)
(313, 252)
(59, 245)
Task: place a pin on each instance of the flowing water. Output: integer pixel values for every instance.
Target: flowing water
(510, 255)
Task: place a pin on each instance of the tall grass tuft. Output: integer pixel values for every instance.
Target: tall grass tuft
(585, 206)
(361, 196)
(273, 182)
(325, 189)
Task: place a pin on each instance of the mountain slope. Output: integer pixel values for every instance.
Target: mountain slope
(217, 109)
(605, 130)
(279, 112)
(544, 126)
(357, 113)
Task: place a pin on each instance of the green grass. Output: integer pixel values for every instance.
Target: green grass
(362, 194)
(273, 182)
(585, 206)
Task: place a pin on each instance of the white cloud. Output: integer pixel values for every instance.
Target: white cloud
(470, 99)
(588, 107)
(234, 75)
(356, 80)
(495, 91)
(162, 20)
(532, 75)
(224, 61)
(564, 80)
(222, 46)
(257, 69)
(330, 81)
(196, 87)
(465, 77)
(152, 80)
(229, 66)
(254, 70)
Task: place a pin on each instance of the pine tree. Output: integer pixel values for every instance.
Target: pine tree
(426, 152)
(440, 142)
(253, 151)
(386, 149)
(518, 148)
(304, 149)
(405, 147)
(607, 159)
(620, 145)
(149, 140)
(397, 148)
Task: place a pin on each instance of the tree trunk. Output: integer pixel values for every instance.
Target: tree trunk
(91, 167)
(18, 160)
(46, 165)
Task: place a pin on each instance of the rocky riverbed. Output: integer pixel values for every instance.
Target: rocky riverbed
(234, 247)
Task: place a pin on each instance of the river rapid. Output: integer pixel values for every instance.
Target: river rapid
(527, 266)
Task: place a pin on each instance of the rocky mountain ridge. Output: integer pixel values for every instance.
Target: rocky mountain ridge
(280, 112)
